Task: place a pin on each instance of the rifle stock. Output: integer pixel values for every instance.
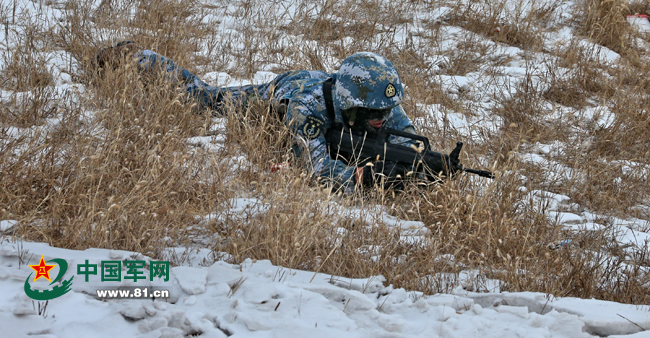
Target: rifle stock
(364, 148)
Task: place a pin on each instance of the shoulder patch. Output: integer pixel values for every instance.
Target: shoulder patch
(313, 127)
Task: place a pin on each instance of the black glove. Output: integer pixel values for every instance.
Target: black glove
(447, 166)
(386, 174)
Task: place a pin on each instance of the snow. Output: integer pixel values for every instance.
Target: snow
(639, 22)
(6, 225)
(219, 299)
(192, 281)
(600, 318)
(565, 217)
(600, 115)
(258, 297)
(632, 237)
(606, 318)
(469, 127)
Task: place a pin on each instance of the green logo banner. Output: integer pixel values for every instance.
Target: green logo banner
(110, 271)
(42, 270)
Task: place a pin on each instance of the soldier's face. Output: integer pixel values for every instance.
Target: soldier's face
(376, 123)
(369, 120)
(374, 118)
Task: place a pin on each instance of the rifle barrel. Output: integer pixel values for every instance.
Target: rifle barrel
(372, 148)
(482, 173)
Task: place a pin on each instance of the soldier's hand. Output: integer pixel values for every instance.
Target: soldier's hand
(447, 167)
(385, 174)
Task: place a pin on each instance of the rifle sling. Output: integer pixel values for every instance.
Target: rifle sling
(329, 102)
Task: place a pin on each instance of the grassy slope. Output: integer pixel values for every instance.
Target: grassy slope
(110, 166)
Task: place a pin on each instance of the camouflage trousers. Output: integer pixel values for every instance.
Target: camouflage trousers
(214, 99)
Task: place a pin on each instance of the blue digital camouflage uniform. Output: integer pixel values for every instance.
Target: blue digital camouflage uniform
(306, 115)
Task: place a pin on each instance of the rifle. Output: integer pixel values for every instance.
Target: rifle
(366, 148)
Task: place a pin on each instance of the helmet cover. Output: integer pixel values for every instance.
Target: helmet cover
(367, 80)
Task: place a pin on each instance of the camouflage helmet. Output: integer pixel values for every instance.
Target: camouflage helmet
(367, 80)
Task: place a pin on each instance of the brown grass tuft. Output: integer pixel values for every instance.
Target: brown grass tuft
(604, 22)
(130, 163)
(513, 26)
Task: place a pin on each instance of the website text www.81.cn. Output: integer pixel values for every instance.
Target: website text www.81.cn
(135, 292)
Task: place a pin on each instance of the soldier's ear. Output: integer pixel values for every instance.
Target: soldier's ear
(351, 115)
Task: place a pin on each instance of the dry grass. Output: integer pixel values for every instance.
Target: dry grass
(604, 22)
(118, 172)
(576, 81)
(128, 186)
(638, 7)
(516, 23)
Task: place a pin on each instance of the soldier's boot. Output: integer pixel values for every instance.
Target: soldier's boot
(112, 57)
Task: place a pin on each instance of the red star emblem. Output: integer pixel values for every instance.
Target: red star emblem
(42, 270)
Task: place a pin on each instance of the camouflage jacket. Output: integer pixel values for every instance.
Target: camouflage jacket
(306, 115)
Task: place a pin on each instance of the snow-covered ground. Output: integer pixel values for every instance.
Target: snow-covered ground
(259, 299)
(256, 298)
